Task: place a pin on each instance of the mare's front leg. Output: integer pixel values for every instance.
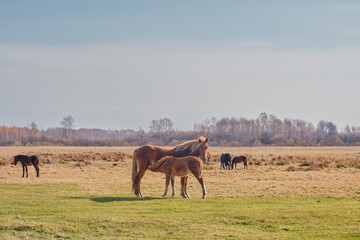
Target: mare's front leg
(166, 184)
(183, 187)
(26, 171)
(173, 186)
(23, 170)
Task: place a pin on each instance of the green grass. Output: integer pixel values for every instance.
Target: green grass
(66, 211)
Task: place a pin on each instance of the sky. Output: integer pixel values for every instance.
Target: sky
(121, 64)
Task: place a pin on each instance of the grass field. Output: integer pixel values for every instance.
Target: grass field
(85, 193)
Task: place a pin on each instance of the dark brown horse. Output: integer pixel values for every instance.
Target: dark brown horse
(239, 159)
(181, 167)
(148, 154)
(225, 161)
(27, 161)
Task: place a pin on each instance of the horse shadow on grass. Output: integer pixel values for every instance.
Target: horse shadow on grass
(116, 199)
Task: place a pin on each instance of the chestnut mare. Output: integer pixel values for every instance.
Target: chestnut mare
(181, 167)
(27, 161)
(239, 159)
(148, 154)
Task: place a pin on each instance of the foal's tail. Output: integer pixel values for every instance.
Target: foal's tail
(134, 171)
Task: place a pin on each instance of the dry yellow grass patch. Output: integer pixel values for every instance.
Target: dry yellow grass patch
(274, 171)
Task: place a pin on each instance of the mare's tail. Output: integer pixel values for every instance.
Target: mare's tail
(134, 171)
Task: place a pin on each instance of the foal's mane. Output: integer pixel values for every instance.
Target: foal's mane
(190, 146)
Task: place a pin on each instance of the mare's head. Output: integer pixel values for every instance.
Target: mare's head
(202, 149)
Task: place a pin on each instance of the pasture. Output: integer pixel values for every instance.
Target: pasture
(85, 193)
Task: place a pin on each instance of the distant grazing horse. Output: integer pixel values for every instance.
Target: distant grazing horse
(181, 167)
(148, 154)
(239, 159)
(27, 161)
(225, 161)
(208, 157)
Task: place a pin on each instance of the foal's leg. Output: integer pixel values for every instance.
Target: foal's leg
(201, 181)
(173, 186)
(186, 179)
(166, 184)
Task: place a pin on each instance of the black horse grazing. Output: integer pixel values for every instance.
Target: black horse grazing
(225, 161)
(239, 159)
(27, 161)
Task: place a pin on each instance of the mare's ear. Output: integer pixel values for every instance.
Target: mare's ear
(206, 140)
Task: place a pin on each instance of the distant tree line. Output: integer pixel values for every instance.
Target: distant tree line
(265, 130)
(270, 130)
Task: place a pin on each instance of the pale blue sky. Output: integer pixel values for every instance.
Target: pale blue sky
(121, 64)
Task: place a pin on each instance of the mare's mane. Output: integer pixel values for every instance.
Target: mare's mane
(190, 146)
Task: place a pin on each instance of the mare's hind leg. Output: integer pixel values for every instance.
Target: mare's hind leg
(166, 184)
(138, 178)
(173, 186)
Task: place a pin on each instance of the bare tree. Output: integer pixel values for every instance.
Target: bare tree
(161, 126)
(68, 125)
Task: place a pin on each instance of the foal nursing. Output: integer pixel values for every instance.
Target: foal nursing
(180, 167)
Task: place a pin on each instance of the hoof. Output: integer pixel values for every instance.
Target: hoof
(163, 195)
